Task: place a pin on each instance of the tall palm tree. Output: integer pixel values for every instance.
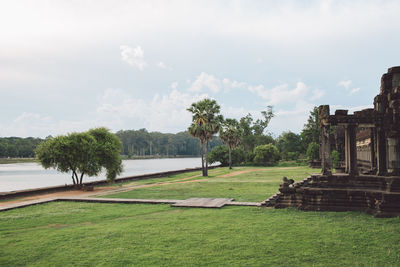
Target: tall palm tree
(206, 121)
(230, 134)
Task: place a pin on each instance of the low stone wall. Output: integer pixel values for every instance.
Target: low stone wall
(53, 189)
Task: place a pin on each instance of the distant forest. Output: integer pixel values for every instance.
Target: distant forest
(135, 143)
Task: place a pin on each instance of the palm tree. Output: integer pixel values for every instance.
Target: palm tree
(230, 134)
(206, 121)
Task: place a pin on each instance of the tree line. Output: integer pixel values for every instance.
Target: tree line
(135, 143)
(253, 133)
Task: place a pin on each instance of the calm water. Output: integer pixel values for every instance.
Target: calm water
(20, 176)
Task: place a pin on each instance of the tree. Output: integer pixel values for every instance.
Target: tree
(254, 131)
(206, 121)
(230, 134)
(260, 125)
(290, 145)
(221, 154)
(266, 154)
(313, 151)
(311, 130)
(82, 153)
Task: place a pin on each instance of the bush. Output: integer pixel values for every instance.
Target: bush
(220, 153)
(266, 154)
(335, 158)
(313, 151)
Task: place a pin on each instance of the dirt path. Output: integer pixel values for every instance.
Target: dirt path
(77, 193)
(239, 172)
(110, 190)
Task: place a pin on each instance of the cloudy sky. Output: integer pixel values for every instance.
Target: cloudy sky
(71, 65)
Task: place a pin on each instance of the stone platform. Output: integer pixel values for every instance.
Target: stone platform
(191, 202)
(203, 202)
(376, 195)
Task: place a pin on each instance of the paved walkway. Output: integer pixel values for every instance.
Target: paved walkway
(191, 202)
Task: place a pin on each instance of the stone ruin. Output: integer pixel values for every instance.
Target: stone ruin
(371, 147)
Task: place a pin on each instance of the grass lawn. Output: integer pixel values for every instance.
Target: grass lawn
(94, 234)
(253, 184)
(88, 234)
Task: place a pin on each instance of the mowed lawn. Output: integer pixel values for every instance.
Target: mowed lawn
(241, 183)
(90, 234)
(94, 234)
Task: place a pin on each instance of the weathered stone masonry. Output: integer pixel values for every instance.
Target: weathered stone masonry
(374, 188)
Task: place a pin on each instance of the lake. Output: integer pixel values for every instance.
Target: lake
(19, 176)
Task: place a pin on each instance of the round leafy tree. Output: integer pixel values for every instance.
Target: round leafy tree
(85, 153)
(266, 154)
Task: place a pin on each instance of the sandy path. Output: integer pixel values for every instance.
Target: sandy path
(78, 193)
(239, 172)
(110, 190)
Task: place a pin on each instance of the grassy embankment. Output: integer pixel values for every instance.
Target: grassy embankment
(89, 234)
(16, 160)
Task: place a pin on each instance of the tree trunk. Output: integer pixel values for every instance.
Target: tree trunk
(80, 182)
(202, 158)
(206, 158)
(230, 157)
(73, 177)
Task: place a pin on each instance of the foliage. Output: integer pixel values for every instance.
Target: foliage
(221, 154)
(140, 143)
(206, 122)
(82, 153)
(311, 130)
(253, 132)
(17, 147)
(266, 154)
(230, 134)
(335, 158)
(313, 151)
(290, 145)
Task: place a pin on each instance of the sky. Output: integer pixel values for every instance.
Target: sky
(68, 66)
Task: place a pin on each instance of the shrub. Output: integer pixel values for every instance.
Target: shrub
(220, 154)
(335, 158)
(266, 154)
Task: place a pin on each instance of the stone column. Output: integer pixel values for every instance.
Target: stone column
(351, 150)
(326, 150)
(381, 151)
(372, 146)
(323, 114)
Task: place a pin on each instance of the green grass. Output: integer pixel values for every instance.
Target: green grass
(94, 234)
(89, 234)
(251, 186)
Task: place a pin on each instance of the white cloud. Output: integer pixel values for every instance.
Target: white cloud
(29, 124)
(228, 84)
(293, 119)
(165, 113)
(317, 94)
(354, 90)
(162, 65)
(133, 56)
(174, 85)
(281, 93)
(204, 81)
(345, 84)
